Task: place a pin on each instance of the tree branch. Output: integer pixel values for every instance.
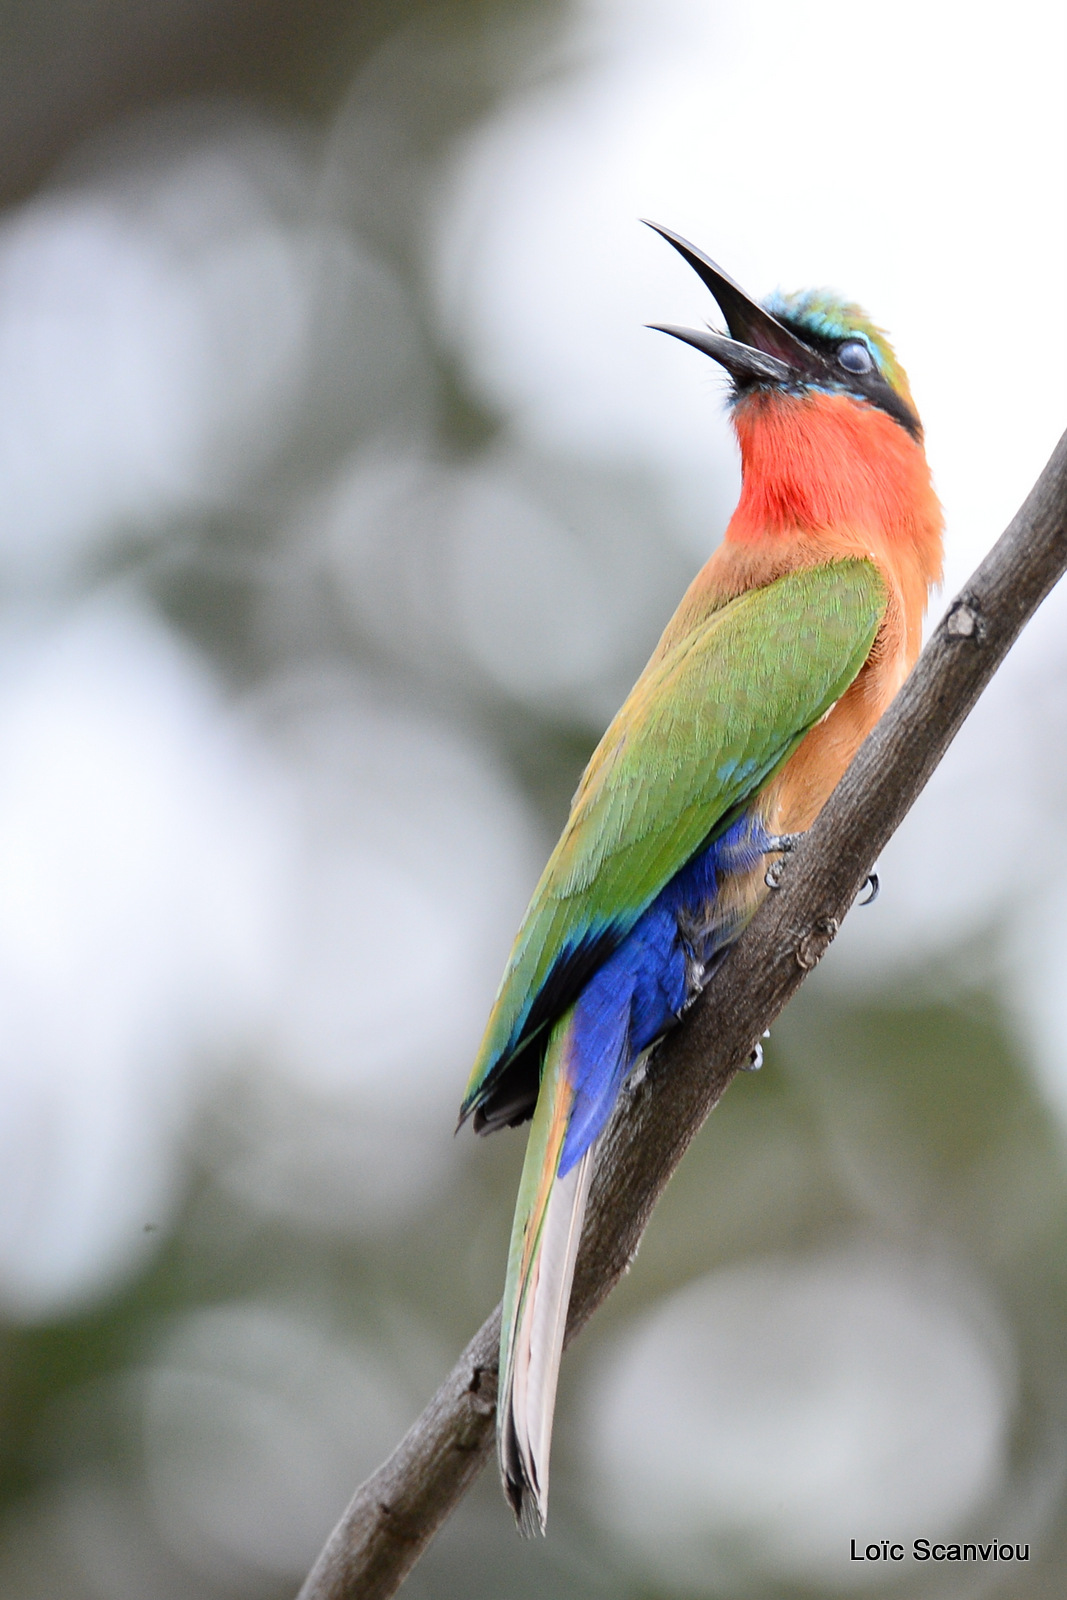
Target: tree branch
(396, 1512)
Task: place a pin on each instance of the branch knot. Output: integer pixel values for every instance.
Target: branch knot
(813, 945)
(965, 620)
(482, 1389)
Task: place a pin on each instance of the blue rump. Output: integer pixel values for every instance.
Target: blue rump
(646, 983)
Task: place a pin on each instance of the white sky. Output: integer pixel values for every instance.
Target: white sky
(909, 155)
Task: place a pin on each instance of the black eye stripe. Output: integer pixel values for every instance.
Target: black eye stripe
(870, 384)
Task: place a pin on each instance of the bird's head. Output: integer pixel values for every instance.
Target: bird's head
(811, 342)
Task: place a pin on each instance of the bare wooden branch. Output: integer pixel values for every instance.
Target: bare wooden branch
(396, 1512)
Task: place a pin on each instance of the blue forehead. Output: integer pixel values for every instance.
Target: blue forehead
(827, 316)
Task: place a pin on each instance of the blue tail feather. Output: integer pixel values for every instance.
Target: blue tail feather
(646, 983)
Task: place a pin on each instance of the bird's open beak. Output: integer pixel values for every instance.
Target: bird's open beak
(759, 349)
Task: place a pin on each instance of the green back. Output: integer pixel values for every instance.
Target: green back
(703, 730)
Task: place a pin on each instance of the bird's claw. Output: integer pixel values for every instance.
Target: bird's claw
(755, 1060)
(871, 883)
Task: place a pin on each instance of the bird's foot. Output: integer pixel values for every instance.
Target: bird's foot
(785, 842)
(871, 884)
(782, 844)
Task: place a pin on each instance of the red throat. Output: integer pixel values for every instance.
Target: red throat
(816, 463)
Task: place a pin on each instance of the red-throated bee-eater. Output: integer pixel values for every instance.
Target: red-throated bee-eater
(785, 651)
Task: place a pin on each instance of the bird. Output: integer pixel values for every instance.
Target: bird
(785, 650)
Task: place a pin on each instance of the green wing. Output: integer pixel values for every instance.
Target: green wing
(703, 729)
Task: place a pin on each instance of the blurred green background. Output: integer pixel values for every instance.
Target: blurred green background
(342, 495)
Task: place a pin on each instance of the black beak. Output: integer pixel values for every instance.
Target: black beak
(760, 349)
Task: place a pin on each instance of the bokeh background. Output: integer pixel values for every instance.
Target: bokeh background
(342, 494)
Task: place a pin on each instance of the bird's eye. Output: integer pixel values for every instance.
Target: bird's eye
(854, 356)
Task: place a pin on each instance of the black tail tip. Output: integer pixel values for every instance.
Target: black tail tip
(529, 1516)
